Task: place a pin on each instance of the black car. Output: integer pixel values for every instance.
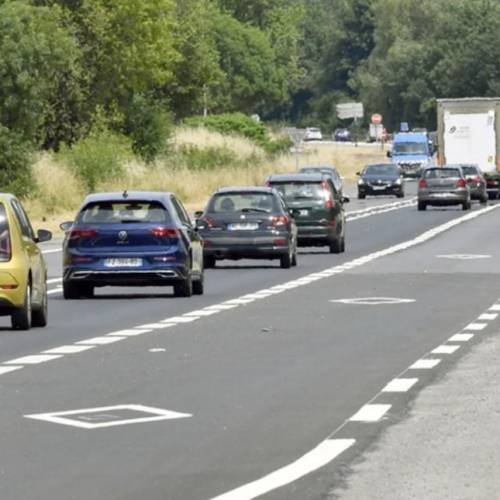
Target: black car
(247, 222)
(381, 179)
(342, 135)
(317, 206)
(325, 170)
(131, 239)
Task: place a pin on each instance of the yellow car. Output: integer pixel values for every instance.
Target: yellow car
(23, 275)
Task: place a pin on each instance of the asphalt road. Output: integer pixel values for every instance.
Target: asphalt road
(259, 374)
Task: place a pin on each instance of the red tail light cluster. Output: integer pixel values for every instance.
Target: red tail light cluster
(207, 221)
(164, 232)
(82, 232)
(329, 203)
(279, 220)
(422, 184)
(461, 183)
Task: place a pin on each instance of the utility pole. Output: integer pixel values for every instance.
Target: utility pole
(205, 101)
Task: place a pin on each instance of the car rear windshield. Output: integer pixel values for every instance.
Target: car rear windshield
(291, 191)
(441, 173)
(124, 212)
(469, 170)
(243, 202)
(5, 248)
(382, 170)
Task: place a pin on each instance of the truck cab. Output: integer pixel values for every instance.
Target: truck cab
(411, 151)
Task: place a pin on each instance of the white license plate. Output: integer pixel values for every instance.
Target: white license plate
(243, 226)
(123, 262)
(378, 188)
(304, 213)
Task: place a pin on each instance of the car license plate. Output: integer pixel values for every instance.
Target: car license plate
(243, 226)
(117, 262)
(378, 188)
(303, 213)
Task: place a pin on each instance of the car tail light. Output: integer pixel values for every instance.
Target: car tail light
(279, 220)
(82, 232)
(80, 259)
(207, 243)
(207, 221)
(422, 184)
(329, 203)
(12, 286)
(164, 232)
(280, 242)
(461, 183)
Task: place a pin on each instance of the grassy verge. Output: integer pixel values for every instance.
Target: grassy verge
(199, 162)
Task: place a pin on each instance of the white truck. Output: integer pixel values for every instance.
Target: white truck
(469, 132)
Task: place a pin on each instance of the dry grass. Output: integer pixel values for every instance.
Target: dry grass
(59, 192)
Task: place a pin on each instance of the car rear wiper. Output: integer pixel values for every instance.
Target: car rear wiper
(252, 209)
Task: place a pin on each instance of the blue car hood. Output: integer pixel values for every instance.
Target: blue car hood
(409, 158)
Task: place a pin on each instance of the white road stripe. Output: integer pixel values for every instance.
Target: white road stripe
(33, 359)
(220, 307)
(400, 385)
(488, 317)
(100, 340)
(55, 290)
(128, 333)
(476, 326)
(461, 337)
(8, 369)
(180, 319)
(201, 312)
(445, 349)
(494, 307)
(54, 280)
(69, 349)
(370, 413)
(151, 326)
(318, 457)
(424, 364)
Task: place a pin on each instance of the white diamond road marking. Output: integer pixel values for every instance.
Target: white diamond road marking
(488, 317)
(33, 359)
(373, 301)
(8, 369)
(461, 337)
(318, 457)
(445, 349)
(424, 364)
(476, 326)
(400, 385)
(64, 417)
(100, 340)
(370, 413)
(69, 349)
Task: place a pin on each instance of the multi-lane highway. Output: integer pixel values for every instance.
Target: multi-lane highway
(272, 383)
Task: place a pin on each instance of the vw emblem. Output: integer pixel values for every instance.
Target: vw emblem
(122, 235)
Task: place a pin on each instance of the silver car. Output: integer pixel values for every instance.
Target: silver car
(476, 182)
(443, 186)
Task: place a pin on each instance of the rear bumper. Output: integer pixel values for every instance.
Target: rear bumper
(370, 190)
(316, 235)
(444, 198)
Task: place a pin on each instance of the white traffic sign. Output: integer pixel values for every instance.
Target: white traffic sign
(374, 301)
(350, 110)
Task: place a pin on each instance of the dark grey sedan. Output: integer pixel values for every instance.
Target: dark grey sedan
(476, 182)
(381, 179)
(247, 222)
(443, 186)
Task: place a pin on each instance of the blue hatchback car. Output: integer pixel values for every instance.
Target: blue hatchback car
(132, 239)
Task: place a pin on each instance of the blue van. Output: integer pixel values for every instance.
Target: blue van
(412, 152)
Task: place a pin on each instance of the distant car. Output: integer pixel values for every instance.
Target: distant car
(318, 208)
(325, 170)
(313, 134)
(492, 186)
(23, 274)
(342, 135)
(247, 222)
(381, 179)
(443, 186)
(131, 239)
(476, 182)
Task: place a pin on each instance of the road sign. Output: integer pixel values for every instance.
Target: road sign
(350, 110)
(376, 118)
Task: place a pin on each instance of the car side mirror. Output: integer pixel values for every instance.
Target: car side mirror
(389, 154)
(42, 235)
(198, 214)
(346, 199)
(66, 226)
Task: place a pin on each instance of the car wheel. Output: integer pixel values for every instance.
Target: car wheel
(361, 196)
(286, 261)
(466, 205)
(71, 291)
(199, 286)
(421, 206)
(39, 316)
(294, 257)
(21, 318)
(335, 246)
(184, 288)
(400, 195)
(484, 199)
(342, 245)
(209, 262)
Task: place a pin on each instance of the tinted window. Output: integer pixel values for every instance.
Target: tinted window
(181, 213)
(382, 170)
(302, 190)
(441, 173)
(122, 212)
(243, 202)
(469, 170)
(5, 248)
(410, 148)
(24, 222)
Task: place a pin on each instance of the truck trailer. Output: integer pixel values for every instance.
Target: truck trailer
(469, 132)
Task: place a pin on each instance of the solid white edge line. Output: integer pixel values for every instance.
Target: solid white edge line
(400, 385)
(318, 457)
(54, 280)
(8, 369)
(105, 340)
(69, 349)
(370, 413)
(33, 359)
(55, 290)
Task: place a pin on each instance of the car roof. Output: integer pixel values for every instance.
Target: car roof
(129, 196)
(410, 136)
(296, 177)
(381, 165)
(318, 167)
(245, 189)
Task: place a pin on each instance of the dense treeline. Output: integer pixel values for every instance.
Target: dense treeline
(69, 67)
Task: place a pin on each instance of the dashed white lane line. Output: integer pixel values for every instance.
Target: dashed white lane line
(488, 317)
(424, 364)
(494, 307)
(477, 327)
(152, 326)
(54, 280)
(370, 413)
(318, 457)
(53, 291)
(400, 385)
(445, 349)
(8, 369)
(132, 332)
(100, 340)
(201, 312)
(461, 337)
(180, 319)
(33, 359)
(69, 349)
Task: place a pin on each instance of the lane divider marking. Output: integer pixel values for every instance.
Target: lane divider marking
(33, 359)
(445, 349)
(476, 326)
(488, 317)
(69, 349)
(100, 340)
(424, 364)
(8, 369)
(461, 337)
(495, 307)
(400, 385)
(370, 413)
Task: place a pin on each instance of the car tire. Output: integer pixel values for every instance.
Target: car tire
(199, 285)
(484, 199)
(294, 257)
(361, 196)
(40, 316)
(466, 205)
(286, 261)
(342, 245)
(21, 318)
(421, 206)
(209, 262)
(71, 291)
(184, 288)
(335, 246)
(400, 195)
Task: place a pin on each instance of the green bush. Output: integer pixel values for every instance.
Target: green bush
(15, 163)
(240, 124)
(149, 127)
(205, 159)
(98, 158)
